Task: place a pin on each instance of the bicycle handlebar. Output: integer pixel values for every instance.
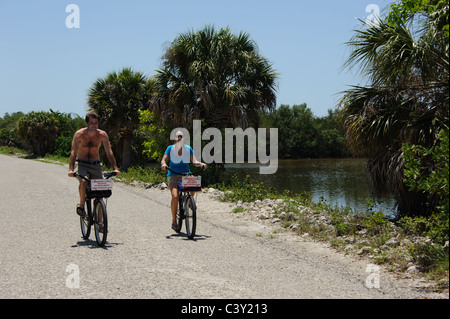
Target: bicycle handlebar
(106, 175)
(202, 168)
(109, 174)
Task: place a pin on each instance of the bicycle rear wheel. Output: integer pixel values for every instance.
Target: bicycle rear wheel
(100, 222)
(190, 212)
(85, 223)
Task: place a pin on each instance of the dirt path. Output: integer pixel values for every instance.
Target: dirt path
(42, 254)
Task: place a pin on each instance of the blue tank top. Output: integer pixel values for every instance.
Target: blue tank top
(179, 163)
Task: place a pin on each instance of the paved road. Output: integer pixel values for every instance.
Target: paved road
(42, 253)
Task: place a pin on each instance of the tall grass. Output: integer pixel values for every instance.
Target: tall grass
(143, 174)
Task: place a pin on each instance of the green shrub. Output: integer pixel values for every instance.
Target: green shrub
(245, 190)
(376, 223)
(341, 222)
(435, 227)
(431, 258)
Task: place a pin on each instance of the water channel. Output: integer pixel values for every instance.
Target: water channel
(339, 182)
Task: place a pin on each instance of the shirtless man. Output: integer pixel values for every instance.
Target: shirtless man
(85, 150)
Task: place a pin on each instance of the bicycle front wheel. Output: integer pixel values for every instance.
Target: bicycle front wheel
(190, 211)
(100, 222)
(180, 214)
(85, 223)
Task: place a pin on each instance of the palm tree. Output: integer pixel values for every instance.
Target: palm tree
(117, 98)
(215, 76)
(406, 101)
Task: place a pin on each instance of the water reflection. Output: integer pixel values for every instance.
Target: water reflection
(340, 182)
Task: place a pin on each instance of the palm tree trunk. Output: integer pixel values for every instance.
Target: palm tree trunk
(126, 151)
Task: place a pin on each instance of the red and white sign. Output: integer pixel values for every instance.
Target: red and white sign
(191, 181)
(101, 184)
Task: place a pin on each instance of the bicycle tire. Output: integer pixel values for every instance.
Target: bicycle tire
(180, 214)
(86, 223)
(100, 236)
(190, 212)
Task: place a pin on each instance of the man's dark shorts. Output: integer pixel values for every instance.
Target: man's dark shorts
(92, 171)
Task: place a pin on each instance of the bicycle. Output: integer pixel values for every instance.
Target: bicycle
(97, 216)
(187, 209)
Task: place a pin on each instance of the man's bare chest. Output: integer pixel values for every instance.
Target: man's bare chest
(90, 142)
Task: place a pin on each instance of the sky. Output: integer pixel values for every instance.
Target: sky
(49, 62)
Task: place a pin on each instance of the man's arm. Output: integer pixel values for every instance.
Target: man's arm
(73, 153)
(109, 152)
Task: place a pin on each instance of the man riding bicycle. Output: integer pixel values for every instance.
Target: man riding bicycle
(85, 151)
(179, 155)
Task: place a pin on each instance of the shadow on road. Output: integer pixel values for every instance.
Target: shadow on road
(185, 237)
(92, 244)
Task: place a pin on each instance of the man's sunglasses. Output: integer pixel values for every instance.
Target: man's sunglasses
(179, 136)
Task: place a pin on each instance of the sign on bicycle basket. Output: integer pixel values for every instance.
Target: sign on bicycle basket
(101, 184)
(191, 182)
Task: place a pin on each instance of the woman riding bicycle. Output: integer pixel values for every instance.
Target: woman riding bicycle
(179, 155)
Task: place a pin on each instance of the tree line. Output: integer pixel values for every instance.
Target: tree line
(40, 133)
(301, 134)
